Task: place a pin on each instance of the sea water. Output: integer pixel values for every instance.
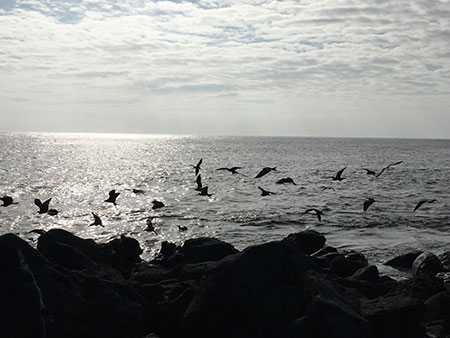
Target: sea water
(78, 170)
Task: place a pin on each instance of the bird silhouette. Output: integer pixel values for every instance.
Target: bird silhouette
(52, 212)
(182, 228)
(367, 203)
(265, 171)
(197, 167)
(7, 201)
(316, 211)
(97, 221)
(286, 180)
(43, 207)
(421, 202)
(112, 197)
(265, 192)
(338, 176)
(232, 170)
(387, 167)
(370, 172)
(204, 192)
(150, 227)
(138, 191)
(199, 182)
(157, 204)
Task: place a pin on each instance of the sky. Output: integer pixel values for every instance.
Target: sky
(372, 68)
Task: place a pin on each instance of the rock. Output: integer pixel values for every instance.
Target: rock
(70, 251)
(438, 307)
(395, 316)
(206, 249)
(445, 260)
(437, 329)
(123, 253)
(345, 266)
(332, 311)
(426, 263)
(307, 241)
(404, 262)
(39, 296)
(367, 273)
(231, 301)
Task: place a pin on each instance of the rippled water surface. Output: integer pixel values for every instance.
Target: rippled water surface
(78, 170)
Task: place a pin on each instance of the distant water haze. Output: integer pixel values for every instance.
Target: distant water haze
(78, 170)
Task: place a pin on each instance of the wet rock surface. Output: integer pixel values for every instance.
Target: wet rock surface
(296, 287)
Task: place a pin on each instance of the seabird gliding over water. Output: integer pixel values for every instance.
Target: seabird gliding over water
(265, 192)
(232, 170)
(316, 211)
(286, 180)
(150, 227)
(367, 203)
(197, 167)
(157, 204)
(112, 197)
(97, 221)
(7, 200)
(198, 180)
(387, 167)
(265, 171)
(338, 176)
(204, 192)
(43, 207)
(424, 201)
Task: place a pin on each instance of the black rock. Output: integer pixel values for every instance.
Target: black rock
(307, 242)
(426, 263)
(206, 249)
(404, 262)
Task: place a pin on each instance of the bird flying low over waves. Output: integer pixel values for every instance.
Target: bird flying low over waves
(43, 207)
(198, 180)
(150, 227)
(317, 212)
(7, 200)
(157, 204)
(338, 176)
(265, 192)
(232, 170)
(424, 201)
(112, 197)
(286, 180)
(197, 167)
(367, 203)
(385, 168)
(204, 192)
(97, 221)
(265, 171)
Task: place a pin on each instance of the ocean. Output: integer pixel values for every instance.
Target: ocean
(78, 170)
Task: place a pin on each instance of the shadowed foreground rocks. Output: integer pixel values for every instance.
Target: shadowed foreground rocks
(296, 287)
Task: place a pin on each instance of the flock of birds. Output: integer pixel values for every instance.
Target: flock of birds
(44, 207)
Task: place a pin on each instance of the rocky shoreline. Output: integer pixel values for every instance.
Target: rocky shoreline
(296, 287)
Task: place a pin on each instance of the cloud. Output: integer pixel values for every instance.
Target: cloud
(76, 51)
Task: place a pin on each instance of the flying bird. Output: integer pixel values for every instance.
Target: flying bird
(204, 192)
(265, 171)
(232, 170)
(112, 197)
(138, 191)
(182, 228)
(150, 226)
(265, 192)
(317, 212)
(338, 176)
(422, 202)
(7, 200)
(387, 167)
(199, 182)
(286, 180)
(370, 172)
(367, 203)
(197, 167)
(43, 207)
(157, 204)
(97, 221)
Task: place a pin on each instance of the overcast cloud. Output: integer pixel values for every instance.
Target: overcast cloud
(307, 68)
